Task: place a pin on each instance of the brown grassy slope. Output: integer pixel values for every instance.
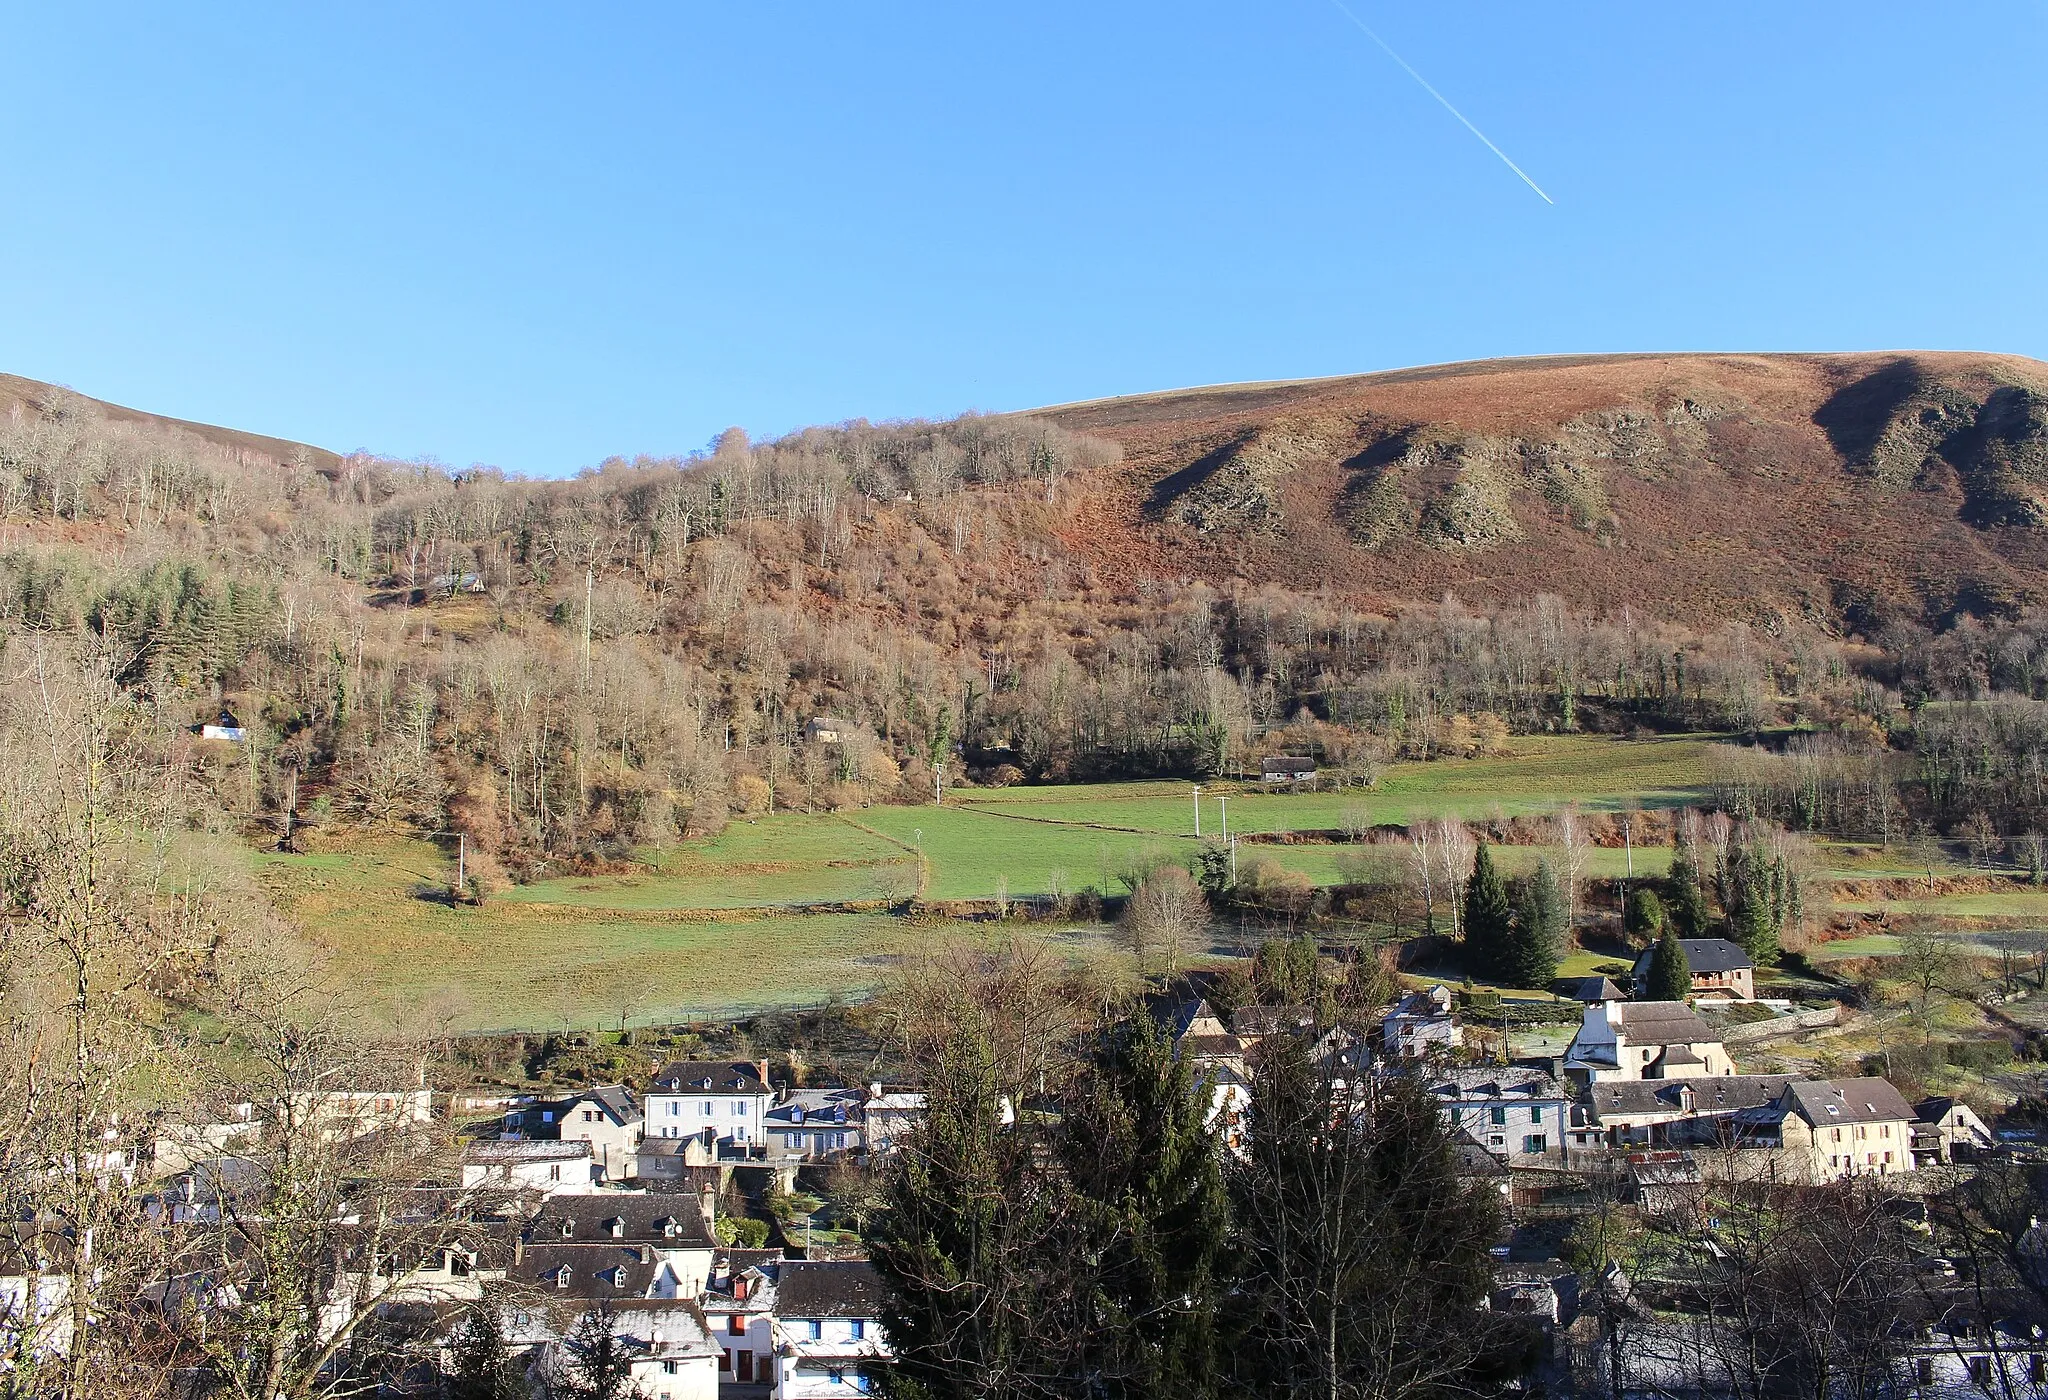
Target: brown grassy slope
(30, 394)
(1760, 511)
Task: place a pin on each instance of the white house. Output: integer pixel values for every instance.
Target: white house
(1644, 1040)
(739, 1305)
(827, 1329)
(1944, 1124)
(1519, 1115)
(887, 1118)
(724, 1102)
(547, 1167)
(816, 1124)
(1421, 1023)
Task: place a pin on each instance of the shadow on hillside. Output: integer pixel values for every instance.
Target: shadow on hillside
(1855, 416)
(1172, 488)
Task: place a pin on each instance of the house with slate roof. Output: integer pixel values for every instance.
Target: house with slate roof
(1644, 1040)
(1518, 1114)
(1822, 1130)
(1672, 1112)
(1421, 1023)
(1720, 969)
(828, 1326)
(739, 1303)
(722, 1102)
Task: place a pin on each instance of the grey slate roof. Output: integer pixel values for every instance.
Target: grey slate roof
(1495, 1082)
(1270, 1020)
(835, 1288)
(1589, 990)
(1831, 1102)
(1704, 955)
(596, 1271)
(1635, 1098)
(666, 1222)
(724, 1076)
(544, 1151)
(1661, 1023)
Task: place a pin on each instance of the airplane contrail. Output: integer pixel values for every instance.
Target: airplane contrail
(1345, 10)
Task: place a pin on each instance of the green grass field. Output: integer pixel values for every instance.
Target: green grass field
(529, 966)
(776, 861)
(1542, 775)
(722, 926)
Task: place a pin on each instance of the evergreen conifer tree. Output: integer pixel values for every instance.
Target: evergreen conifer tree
(1670, 975)
(1489, 919)
(1146, 1182)
(1537, 940)
(1687, 907)
(1643, 917)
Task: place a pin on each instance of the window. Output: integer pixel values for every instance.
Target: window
(1536, 1142)
(554, 1173)
(739, 1109)
(1923, 1370)
(547, 1115)
(668, 1368)
(792, 1140)
(674, 1108)
(2037, 1369)
(814, 1328)
(590, 1115)
(1499, 1117)
(859, 1327)
(737, 1325)
(1980, 1370)
(1536, 1113)
(837, 1374)
(706, 1108)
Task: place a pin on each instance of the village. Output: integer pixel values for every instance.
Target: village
(638, 1206)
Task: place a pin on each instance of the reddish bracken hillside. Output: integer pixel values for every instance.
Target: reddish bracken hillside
(1844, 488)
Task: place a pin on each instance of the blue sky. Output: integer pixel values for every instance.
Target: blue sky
(536, 236)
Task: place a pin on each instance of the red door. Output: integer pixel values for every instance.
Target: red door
(743, 1366)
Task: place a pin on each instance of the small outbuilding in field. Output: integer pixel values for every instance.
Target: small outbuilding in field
(1287, 768)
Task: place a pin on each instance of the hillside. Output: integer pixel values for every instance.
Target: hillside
(23, 397)
(1846, 489)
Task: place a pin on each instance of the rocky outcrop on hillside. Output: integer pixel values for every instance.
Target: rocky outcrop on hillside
(1843, 490)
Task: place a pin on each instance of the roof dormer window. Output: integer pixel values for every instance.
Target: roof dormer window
(562, 1276)
(568, 1229)
(617, 1225)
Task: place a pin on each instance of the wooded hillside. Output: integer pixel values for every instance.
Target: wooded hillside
(1401, 564)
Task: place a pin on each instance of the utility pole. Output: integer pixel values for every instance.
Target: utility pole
(1198, 811)
(1233, 860)
(589, 589)
(1223, 803)
(461, 863)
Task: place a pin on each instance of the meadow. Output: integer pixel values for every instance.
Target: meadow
(794, 908)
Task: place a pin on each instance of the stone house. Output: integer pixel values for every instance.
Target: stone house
(1720, 969)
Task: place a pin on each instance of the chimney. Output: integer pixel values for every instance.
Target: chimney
(519, 1248)
(707, 1205)
(762, 1067)
(875, 1091)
